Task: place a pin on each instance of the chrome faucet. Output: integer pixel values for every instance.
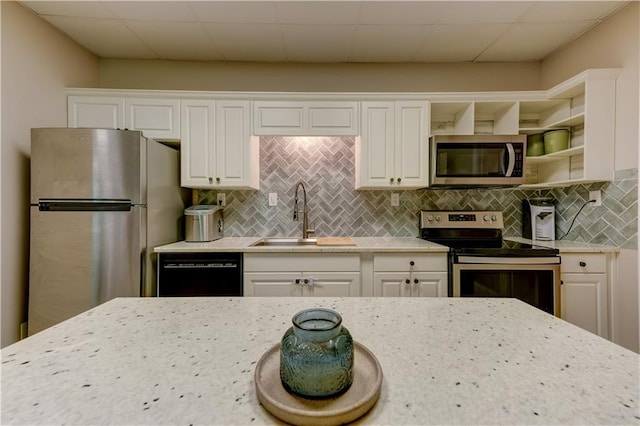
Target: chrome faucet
(306, 232)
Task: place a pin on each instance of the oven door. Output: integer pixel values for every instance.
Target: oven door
(526, 279)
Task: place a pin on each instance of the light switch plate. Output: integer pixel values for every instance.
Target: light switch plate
(273, 199)
(222, 201)
(395, 199)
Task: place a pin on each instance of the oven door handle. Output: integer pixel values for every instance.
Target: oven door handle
(511, 156)
(499, 260)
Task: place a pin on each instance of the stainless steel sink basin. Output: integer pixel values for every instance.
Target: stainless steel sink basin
(285, 242)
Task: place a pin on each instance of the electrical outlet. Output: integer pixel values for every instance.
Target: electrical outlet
(395, 199)
(222, 200)
(273, 199)
(596, 195)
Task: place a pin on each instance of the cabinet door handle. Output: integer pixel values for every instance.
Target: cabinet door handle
(391, 181)
(407, 281)
(297, 281)
(415, 281)
(412, 263)
(217, 180)
(210, 180)
(583, 264)
(399, 180)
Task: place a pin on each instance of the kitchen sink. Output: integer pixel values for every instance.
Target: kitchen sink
(285, 242)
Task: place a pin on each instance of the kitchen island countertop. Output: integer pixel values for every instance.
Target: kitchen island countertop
(192, 360)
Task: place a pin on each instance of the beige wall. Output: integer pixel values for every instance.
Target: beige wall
(38, 62)
(182, 75)
(615, 43)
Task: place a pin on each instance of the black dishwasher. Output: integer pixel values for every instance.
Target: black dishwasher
(199, 274)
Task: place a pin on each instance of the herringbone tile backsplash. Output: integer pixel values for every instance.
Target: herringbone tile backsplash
(327, 167)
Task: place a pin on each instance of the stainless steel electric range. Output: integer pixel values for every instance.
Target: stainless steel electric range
(483, 264)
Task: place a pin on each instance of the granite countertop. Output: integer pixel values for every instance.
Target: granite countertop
(566, 246)
(362, 244)
(191, 361)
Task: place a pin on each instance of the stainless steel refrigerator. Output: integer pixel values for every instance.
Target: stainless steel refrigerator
(101, 200)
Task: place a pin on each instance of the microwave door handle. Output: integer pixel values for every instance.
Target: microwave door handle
(512, 160)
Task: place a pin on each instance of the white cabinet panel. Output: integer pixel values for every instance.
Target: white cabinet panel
(393, 150)
(305, 118)
(410, 275)
(218, 150)
(102, 112)
(584, 302)
(156, 118)
(585, 291)
(302, 274)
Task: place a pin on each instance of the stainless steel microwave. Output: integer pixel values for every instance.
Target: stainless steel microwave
(477, 160)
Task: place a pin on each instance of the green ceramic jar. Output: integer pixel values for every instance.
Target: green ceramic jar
(535, 145)
(316, 355)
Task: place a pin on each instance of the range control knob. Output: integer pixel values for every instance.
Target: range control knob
(438, 218)
(494, 218)
(485, 218)
(430, 218)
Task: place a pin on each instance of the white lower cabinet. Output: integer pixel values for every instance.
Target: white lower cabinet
(410, 275)
(584, 299)
(302, 274)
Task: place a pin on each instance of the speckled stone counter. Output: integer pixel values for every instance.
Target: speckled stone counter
(362, 244)
(191, 361)
(566, 246)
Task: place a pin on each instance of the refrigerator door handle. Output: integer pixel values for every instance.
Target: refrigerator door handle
(78, 205)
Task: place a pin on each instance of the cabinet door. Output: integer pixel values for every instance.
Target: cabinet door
(197, 143)
(391, 284)
(270, 284)
(375, 147)
(236, 151)
(584, 302)
(102, 112)
(276, 118)
(429, 284)
(331, 284)
(332, 118)
(156, 118)
(405, 284)
(411, 145)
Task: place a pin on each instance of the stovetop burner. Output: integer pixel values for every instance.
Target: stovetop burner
(475, 233)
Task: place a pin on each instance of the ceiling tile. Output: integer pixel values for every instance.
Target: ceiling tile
(176, 11)
(532, 42)
(89, 9)
(379, 43)
(318, 43)
(176, 40)
(255, 42)
(483, 12)
(562, 11)
(250, 12)
(458, 43)
(401, 12)
(107, 38)
(313, 12)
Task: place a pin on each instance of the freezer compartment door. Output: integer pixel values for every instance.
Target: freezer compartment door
(87, 164)
(80, 259)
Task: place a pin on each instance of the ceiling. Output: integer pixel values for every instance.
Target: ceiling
(325, 31)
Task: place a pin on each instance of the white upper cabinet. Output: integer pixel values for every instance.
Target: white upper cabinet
(393, 150)
(305, 118)
(157, 118)
(585, 105)
(98, 112)
(217, 149)
(474, 118)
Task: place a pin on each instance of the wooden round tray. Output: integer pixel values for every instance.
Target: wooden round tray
(354, 403)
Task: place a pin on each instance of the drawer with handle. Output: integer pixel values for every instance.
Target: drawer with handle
(584, 263)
